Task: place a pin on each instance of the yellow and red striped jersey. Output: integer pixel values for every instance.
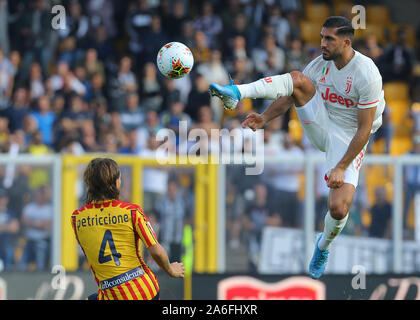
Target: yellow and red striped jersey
(109, 233)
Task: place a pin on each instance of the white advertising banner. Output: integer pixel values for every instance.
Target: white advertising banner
(282, 252)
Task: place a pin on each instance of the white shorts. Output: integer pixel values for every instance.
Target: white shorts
(328, 137)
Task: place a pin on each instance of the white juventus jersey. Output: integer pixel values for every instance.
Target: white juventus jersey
(357, 85)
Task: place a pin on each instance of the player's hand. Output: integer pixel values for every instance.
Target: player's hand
(336, 178)
(177, 270)
(254, 121)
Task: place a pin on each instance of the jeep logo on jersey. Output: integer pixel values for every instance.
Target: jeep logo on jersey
(248, 288)
(334, 98)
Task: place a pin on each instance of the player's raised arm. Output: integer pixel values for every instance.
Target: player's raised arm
(278, 107)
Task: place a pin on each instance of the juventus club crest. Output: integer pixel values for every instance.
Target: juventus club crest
(348, 85)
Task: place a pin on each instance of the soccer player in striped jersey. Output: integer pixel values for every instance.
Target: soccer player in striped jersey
(109, 232)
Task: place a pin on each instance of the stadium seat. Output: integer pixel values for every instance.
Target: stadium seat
(378, 146)
(378, 15)
(399, 110)
(343, 8)
(310, 32)
(400, 145)
(295, 130)
(404, 129)
(396, 90)
(317, 12)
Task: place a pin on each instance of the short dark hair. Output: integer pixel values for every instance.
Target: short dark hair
(100, 178)
(343, 25)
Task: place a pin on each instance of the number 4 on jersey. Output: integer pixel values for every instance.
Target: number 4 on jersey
(114, 254)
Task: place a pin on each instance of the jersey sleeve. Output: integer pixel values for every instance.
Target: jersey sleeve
(143, 228)
(309, 71)
(370, 95)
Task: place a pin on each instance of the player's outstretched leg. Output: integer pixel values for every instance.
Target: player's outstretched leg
(271, 88)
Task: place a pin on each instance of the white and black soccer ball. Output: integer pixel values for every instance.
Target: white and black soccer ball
(175, 60)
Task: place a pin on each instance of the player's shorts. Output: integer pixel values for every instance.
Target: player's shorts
(328, 137)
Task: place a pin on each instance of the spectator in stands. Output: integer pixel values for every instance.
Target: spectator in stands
(155, 179)
(88, 139)
(45, 118)
(36, 220)
(187, 35)
(201, 48)
(132, 117)
(139, 18)
(258, 214)
(92, 64)
(241, 28)
(397, 61)
(36, 145)
(36, 35)
(174, 22)
(151, 126)
(296, 57)
(215, 72)
(77, 112)
(171, 118)
(71, 86)
(121, 83)
(101, 12)
(198, 96)
(9, 226)
(154, 37)
(80, 73)
(242, 71)
(260, 55)
(97, 87)
(237, 50)
(102, 44)
(130, 146)
(170, 93)
(35, 82)
(18, 109)
(172, 211)
(77, 26)
(284, 184)
(381, 215)
(7, 75)
(374, 50)
(57, 79)
(281, 26)
(209, 23)
(150, 88)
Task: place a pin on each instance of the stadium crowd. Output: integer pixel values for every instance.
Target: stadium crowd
(94, 87)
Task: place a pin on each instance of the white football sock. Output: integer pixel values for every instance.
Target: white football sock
(332, 229)
(270, 88)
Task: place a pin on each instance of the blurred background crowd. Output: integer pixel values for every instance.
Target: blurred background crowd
(94, 87)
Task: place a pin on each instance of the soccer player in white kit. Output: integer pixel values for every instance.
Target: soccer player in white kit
(339, 101)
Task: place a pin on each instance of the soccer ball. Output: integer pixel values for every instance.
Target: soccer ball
(175, 60)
